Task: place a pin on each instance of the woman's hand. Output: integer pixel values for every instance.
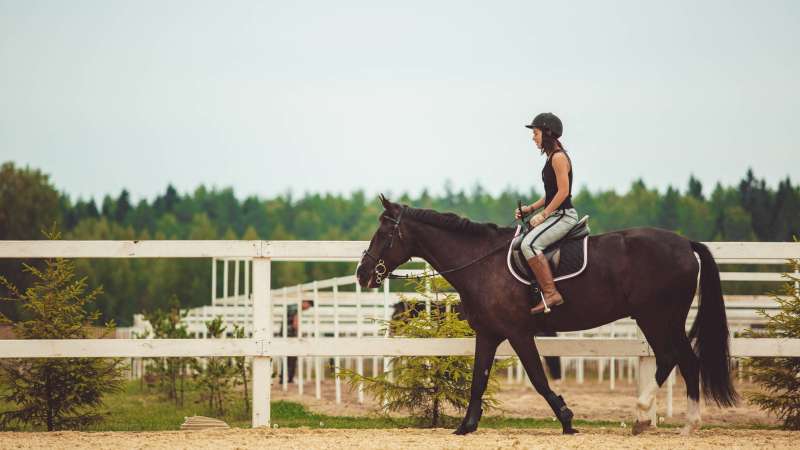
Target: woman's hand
(517, 214)
(537, 220)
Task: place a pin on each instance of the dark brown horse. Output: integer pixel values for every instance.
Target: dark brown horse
(645, 273)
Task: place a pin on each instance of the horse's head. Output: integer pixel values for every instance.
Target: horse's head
(388, 248)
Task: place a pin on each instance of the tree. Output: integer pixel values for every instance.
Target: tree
(58, 393)
(779, 376)
(668, 214)
(242, 368)
(215, 379)
(424, 385)
(695, 188)
(171, 372)
(787, 211)
(759, 201)
(122, 207)
(28, 204)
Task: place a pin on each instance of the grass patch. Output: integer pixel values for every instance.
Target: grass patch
(137, 410)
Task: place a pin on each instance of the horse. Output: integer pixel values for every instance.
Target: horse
(648, 274)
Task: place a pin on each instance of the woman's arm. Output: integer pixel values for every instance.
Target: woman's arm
(561, 168)
(534, 206)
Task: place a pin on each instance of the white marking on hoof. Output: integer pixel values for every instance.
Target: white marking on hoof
(645, 402)
(692, 418)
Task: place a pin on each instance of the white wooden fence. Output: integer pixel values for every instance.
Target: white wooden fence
(263, 346)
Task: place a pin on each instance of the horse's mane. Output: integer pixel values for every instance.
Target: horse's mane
(450, 221)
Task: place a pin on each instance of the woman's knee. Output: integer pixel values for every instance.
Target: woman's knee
(530, 248)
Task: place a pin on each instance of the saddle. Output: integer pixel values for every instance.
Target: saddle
(567, 256)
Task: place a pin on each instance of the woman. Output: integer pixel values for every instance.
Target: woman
(558, 215)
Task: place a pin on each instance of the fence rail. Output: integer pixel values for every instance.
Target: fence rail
(326, 347)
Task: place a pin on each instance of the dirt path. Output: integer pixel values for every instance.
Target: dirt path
(590, 400)
(398, 439)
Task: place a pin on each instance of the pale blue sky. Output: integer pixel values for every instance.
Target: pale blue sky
(395, 96)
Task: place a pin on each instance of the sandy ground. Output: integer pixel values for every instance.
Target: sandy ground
(591, 401)
(399, 439)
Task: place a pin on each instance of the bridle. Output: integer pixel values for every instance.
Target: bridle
(380, 264)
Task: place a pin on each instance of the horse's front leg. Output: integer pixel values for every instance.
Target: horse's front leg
(485, 348)
(526, 349)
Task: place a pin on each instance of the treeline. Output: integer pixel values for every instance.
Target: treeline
(749, 211)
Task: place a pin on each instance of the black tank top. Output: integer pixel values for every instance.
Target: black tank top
(551, 185)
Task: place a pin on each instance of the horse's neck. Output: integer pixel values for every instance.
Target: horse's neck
(445, 249)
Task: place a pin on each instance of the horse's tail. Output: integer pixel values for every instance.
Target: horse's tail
(710, 333)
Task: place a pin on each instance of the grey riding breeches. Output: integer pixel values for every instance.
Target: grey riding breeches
(556, 226)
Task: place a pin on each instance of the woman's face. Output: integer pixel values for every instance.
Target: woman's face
(537, 138)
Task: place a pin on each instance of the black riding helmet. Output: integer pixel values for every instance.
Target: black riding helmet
(548, 123)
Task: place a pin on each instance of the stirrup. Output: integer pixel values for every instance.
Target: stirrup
(546, 307)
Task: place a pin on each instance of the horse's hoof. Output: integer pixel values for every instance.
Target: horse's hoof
(638, 427)
(465, 429)
(689, 429)
(570, 430)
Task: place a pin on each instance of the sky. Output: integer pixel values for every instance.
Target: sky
(269, 97)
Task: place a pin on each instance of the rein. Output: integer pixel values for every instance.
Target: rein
(455, 269)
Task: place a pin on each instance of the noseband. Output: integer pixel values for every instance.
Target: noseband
(380, 265)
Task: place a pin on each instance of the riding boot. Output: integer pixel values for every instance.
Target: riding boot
(550, 296)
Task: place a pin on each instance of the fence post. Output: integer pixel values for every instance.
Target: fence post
(336, 359)
(359, 334)
(213, 279)
(262, 331)
(235, 283)
(579, 365)
(247, 269)
(299, 371)
(317, 361)
(386, 317)
(612, 363)
(225, 284)
(647, 377)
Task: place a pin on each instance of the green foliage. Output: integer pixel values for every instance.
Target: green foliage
(780, 377)
(214, 375)
(169, 373)
(58, 393)
(28, 204)
(425, 385)
(241, 368)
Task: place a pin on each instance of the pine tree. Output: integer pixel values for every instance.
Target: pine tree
(242, 367)
(780, 377)
(216, 378)
(57, 393)
(170, 372)
(424, 385)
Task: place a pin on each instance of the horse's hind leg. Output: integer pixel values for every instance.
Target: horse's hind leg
(529, 355)
(690, 370)
(656, 331)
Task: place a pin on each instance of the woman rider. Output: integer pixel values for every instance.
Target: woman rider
(558, 216)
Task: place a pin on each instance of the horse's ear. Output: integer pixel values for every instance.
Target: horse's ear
(385, 202)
